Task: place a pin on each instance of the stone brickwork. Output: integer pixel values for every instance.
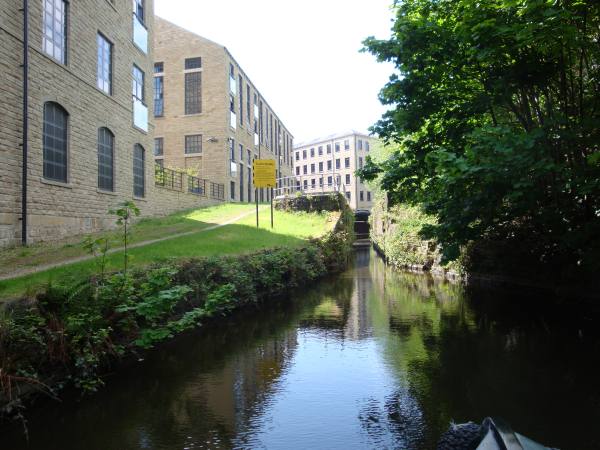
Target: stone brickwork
(57, 209)
(247, 127)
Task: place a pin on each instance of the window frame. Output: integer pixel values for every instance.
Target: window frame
(105, 131)
(192, 139)
(138, 149)
(107, 45)
(47, 40)
(64, 137)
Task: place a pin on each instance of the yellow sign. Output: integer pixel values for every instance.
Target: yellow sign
(264, 173)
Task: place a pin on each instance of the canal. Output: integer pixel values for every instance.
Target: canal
(371, 359)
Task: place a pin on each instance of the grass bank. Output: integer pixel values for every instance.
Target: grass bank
(240, 237)
(77, 328)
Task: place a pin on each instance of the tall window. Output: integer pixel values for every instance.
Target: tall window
(297, 156)
(241, 83)
(321, 166)
(54, 42)
(159, 146)
(138, 84)
(346, 144)
(193, 144)
(312, 168)
(139, 174)
(104, 70)
(347, 163)
(193, 99)
(159, 96)
(231, 149)
(159, 67)
(329, 165)
(106, 152)
(55, 142)
(328, 149)
(312, 152)
(359, 143)
(248, 113)
(138, 9)
(320, 150)
(347, 178)
(232, 190)
(337, 163)
(367, 145)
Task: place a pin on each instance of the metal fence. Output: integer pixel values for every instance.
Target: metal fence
(217, 191)
(176, 180)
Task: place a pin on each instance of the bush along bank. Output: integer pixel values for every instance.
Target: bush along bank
(72, 333)
(395, 233)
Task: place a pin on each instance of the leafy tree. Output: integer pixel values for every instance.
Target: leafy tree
(495, 108)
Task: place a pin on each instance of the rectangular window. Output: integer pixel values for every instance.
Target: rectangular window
(138, 84)
(138, 9)
(337, 146)
(193, 89)
(241, 153)
(329, 165)
(248, 113)
(367, 145)
(347, 178)
(361, 195)
(297, 156)
(337, 163)
(104, 69)
(305, 169)
(193, 63)
(321, 166)
(303, 154)
(249, 157)
(329, 149)
(158, 146)
(160, 163)
(346, 144)
(159, 67)
(312, 152)
(241, 83)
(297, 170)
(159, 96)
(348, 195)
(347, 163)
(54, 42)
(193, 144)
(312, 168)
(368, 196)
(359, 144)
(360, 162)
(231, 149)
(305, 184)
(232, 190)
(329, 181)
(313, 183)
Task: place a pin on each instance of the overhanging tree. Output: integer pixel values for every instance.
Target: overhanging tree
(496, 107)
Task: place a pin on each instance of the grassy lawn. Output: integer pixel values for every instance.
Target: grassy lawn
(144, 230)
(239, 237)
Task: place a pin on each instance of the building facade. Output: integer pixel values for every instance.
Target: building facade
(210, 118)
(329, 164)
(88, 139)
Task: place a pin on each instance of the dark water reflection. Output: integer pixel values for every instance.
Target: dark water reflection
(372, 359)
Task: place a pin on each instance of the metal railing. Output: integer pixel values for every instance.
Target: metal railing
(176, 180)
(168, 178)
(217, 191)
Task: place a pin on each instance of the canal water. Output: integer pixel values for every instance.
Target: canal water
(372, 359)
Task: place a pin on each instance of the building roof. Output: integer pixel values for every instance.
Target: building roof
(332, 137)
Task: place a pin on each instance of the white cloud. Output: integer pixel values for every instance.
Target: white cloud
(303, 56)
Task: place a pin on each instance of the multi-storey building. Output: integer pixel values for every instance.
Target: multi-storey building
(210, 118)
(87, 137)
(329, 164)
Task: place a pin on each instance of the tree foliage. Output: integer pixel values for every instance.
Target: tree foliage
(496, 110)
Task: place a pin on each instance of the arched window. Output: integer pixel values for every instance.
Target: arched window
(139, 180)
(106, 153)
(55, 142)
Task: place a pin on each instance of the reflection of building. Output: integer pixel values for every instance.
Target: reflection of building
(210, 118)
(88, 134)
(359, 321)
(328, 164)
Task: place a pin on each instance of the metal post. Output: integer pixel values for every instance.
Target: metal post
(25, 120)
(256, 195)
(271, 208)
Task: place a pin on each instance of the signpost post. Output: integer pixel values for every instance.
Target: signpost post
(263, 177)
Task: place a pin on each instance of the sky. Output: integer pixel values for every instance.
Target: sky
(302, 56)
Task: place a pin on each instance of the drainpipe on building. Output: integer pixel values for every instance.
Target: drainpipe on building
(25, 120)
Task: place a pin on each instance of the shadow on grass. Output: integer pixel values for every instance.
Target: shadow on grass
(226, 240)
